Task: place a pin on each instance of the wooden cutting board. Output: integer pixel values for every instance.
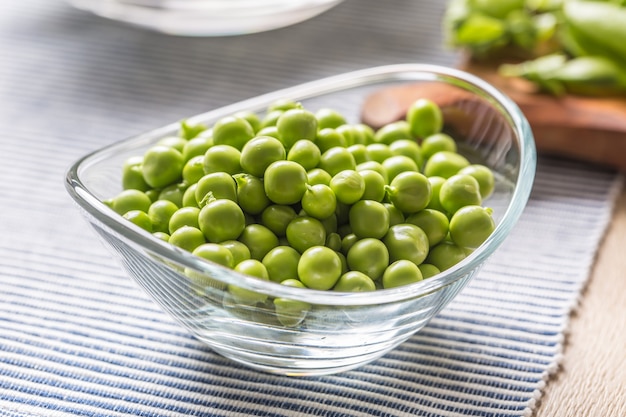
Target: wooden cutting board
(582, 128)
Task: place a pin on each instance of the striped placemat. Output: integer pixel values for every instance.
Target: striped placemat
(77, 337)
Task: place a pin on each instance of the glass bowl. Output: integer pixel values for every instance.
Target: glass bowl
(208, 17)
(335, 331)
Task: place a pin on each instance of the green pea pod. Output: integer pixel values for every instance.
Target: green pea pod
(539, 71)
(596, 28)
(467, 28)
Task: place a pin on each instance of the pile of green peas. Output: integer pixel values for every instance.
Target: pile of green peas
(308, 200)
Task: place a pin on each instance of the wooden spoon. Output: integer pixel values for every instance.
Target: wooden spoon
(583, 128)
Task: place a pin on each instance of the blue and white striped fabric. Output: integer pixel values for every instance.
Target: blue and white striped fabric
(77, 337)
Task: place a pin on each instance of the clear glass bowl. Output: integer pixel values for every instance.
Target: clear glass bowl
(336, 331)
(208, 17)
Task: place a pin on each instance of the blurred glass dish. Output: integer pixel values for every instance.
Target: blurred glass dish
(208, 17)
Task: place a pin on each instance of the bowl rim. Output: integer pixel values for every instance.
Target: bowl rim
(93, 207)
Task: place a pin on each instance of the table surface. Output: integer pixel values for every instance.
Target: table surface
(592, 377)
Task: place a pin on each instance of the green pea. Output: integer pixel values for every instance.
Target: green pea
(139, 218)
(359, 152)
(398, 164)
(319, 268)
(271, 131)
(409, 148)
(428, 270)
(187, 238)
(470, 226)
(484, 176)
(259, 239)
(459, 191)
(436, 143)
(128, 200)
(354, 281)
(409, 191)
(329, 118)
(369, 256)
(395, 215)
(379, 152)
(392, 132)
(328, 138)
(433, 222)
(251, 194)
(276, 217)
(239, 250)
(160, 213)
(319, 201)
(175, 142)
(215, 253)
(259, 153)
(400, 273)
(285, 182)
(406, 241)
(132, 175)
(369, 219)
(337, 159)
(189, 131)
(445, 255)
(222, 158)
(445, 164)
(424, 117)
(184, 216)
(347, 242)
(193, 169)
(281, 263)
(232, 131)
(162, 166)
(283, 104)
(305, 232)
(161, 236)
(291, 313)
(318, 176)
(333, 241)
(216, 185)
(330, 223)
(153, 194)
(366, 132)
(306, 153)
(374, 166)
(221, 220)
(348, 186)
(189, 196)
(296, 124)
(270, 119)
(374, 185)
(254, 268)
(435, 188)
(250, 117)
(173, 193)
(352, 135)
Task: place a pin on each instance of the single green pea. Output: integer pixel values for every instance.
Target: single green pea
(348, 186)
(348, 240)
(395, 215)
(319, 268)
(329, 118)
(445, 255)
(291, 313)
(216, 185)
(175, 142)
(259, 239)
(139, 218)
(196, 147)
(484, 176)
(436, 143)
(239, 250)
(258, 153)
(428, 270)
(305, 232)
(399, 164)
(337, 159)
(424, 117)
(407, 147)
(296, 124)
(306, 153)
(232, 131)
(270, 119)
(400, 273)
(251, 194)
(433, 222)
(184, 216)
(319, 201)
(153, 194)
(271, 131)
(187, 238)
(173, 193)
(222, 158)
(160, 213)
(366, 132)
(333, 241)
(281, 263)
(215, 253)
(193, 169)
(285, 182)
(392, 132)
(254, 268)
(162, 236)
(318, 176)
(128, 200)
(283, 104)
(369, 256)
(162, 166)
(221, 220)
(328, 138)
(359, 152)
(458, 191)
(374, 185)
(352, 135)
(132, 175)
(189, 196)
(374, 166)
(409, 191)
(379, 152)
(470, 226)
(354, 281)
(251, 117)
(369, 219)
(406, 241)
(276, 217)
(445, 164)
(435, 188)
